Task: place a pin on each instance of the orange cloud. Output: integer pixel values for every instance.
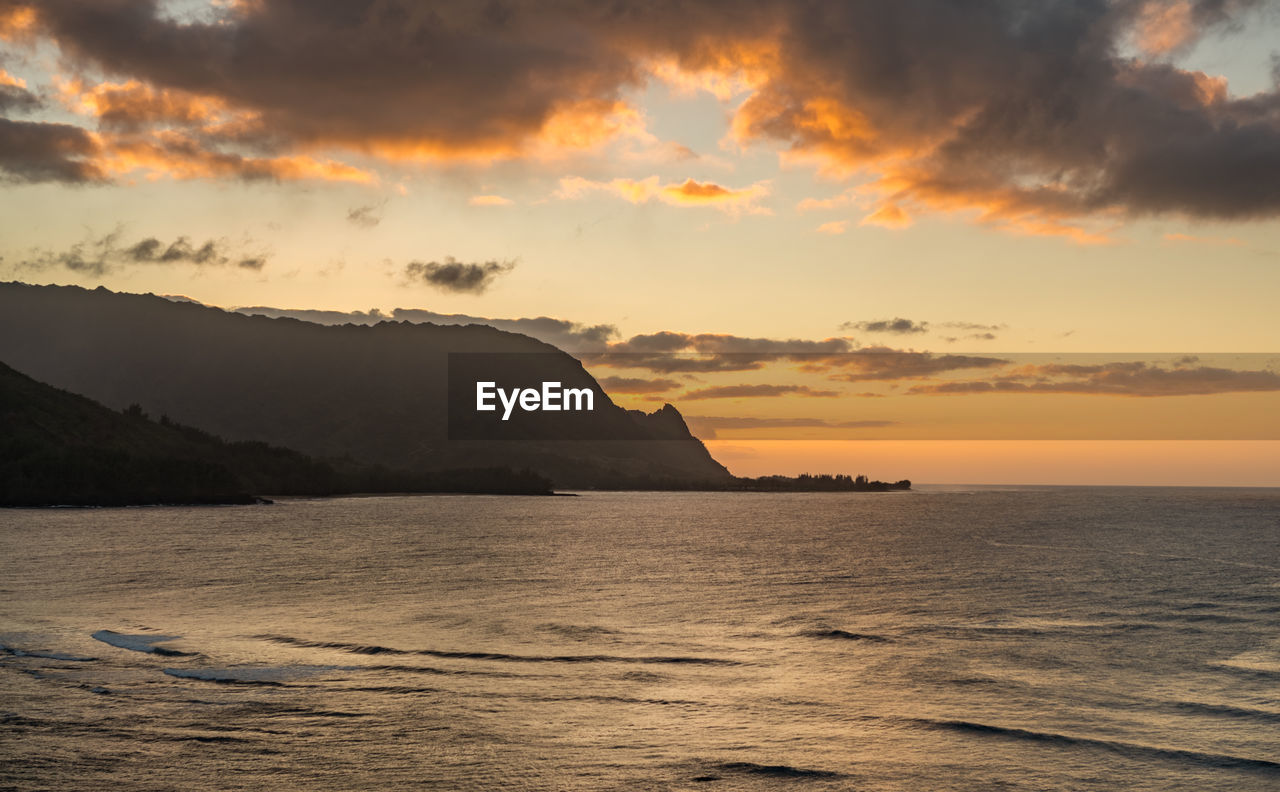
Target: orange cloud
(687, 193)
(889, 215)
(488, 200)
(834, 202)
(574, 127)
(1042, 211)
(176, 156)
(943, 109)
(1164, 26)
(8, 79)
(725, 68)
(17, 22)
(1205, 240)
(133, 105)
(834, 227)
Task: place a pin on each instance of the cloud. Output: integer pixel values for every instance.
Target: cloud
(723, 343)
(134, 106)
(368, 216)
(668, 352)
(180, 156)
(1163, 27)
(668, 363)
(14, 96)
(834, 202)
(107, 254)
(561, 333)
(515, 81)
(372, 316)
(706, 426)
(1029, 118)
(1203, 240)
(456, 276)
(687, 193)
(834, 227)
(637, 385)
(1134, 378)
(488, 200)
(889, 215)
(976, 326)
(896, 326)
(33, 152)
(883, 364)
(755, 391)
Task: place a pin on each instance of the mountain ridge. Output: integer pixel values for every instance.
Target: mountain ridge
(373, 394)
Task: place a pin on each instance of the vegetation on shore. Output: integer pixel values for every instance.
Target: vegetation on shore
(60, 449)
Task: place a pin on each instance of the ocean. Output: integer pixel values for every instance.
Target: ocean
(944, 639)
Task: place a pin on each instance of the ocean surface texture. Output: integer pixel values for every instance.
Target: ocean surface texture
(952, 639)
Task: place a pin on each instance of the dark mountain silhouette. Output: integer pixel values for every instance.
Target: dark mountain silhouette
(57, 448)
(369, 395)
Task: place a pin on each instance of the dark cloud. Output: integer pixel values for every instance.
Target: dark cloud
(1131, 378)
(755, 391)
(637, 385)
(369, 75)
(561, 333)
(974, 326)
(16, 99)
(106, 254)
(372, 316)
(897, 326)
(1030, 116)
(678, 362)
(882, 363)
(37, 152)
(726, 344)
(366, 216)
(453, 275)
(705, 426)
(668, 352)
(672, 353)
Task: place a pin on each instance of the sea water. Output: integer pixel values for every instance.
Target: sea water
(946, 639)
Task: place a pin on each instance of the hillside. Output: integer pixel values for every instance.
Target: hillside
(57, 448)
(372, 395)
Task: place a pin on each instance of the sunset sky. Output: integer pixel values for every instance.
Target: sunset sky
(926, 219)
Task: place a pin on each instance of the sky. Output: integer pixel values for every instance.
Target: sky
(853, 224)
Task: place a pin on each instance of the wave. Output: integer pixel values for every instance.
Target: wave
(275, 710)
(1131, 750)
(269, 677)
(1227, 711)
(365, 649)
(213, 676)
(15, 652)
(773, 771)
(1041, 628)
(845, 635)
(414, 669)
(140, 643)
(1264, 670)
(577, 632)
(617, 700)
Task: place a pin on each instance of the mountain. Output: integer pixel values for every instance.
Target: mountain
(61, 449)
(370, 395)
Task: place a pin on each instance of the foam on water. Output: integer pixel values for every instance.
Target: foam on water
(145, 642)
